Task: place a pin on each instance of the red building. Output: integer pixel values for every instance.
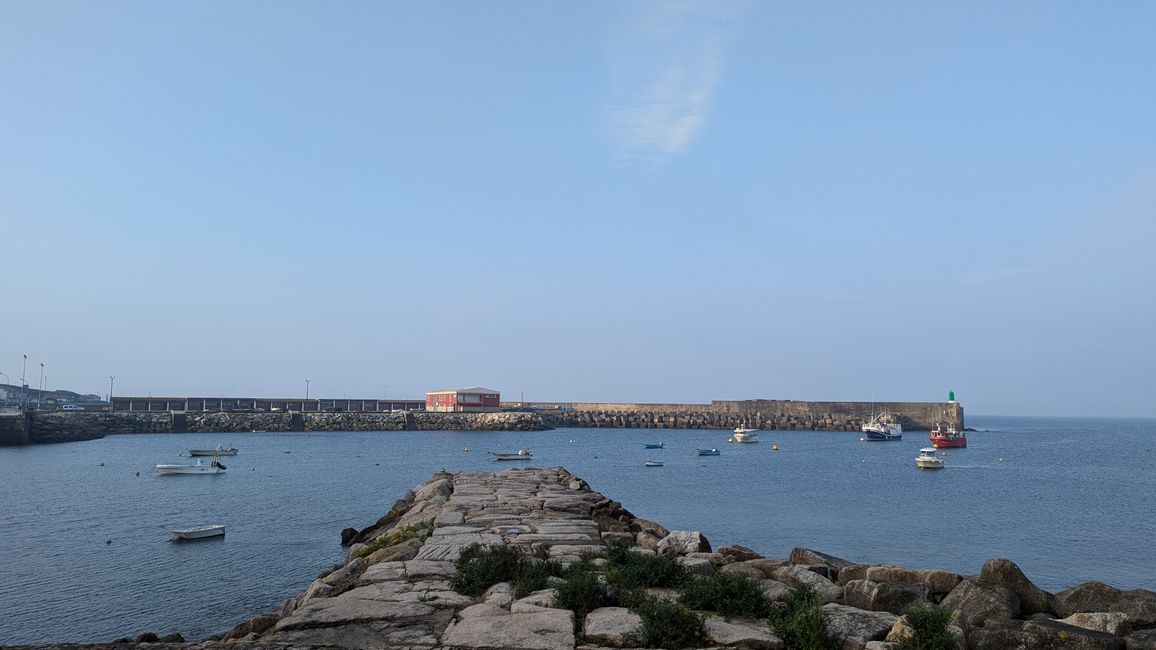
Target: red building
(463, 399)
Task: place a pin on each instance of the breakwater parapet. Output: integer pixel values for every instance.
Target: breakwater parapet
(781, 415)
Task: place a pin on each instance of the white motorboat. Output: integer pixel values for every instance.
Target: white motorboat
(653, 463)
(199, 532)
(928, 460)
(219, 451)
(746, 435)
(523, 454)
(199, 467)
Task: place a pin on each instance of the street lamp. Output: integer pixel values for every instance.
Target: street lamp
(111, 378)
(303, 407)
(40, 394)
(24, 383)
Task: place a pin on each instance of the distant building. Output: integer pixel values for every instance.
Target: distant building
(463, 399)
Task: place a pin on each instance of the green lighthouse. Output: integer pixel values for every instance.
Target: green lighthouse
(951, 396)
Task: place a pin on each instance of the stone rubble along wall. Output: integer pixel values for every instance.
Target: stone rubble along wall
(781, 415)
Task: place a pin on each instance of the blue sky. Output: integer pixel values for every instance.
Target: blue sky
(602, 201)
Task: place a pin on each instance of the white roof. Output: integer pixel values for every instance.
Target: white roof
(475, 389)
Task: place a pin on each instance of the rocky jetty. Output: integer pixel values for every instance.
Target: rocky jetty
(397, 588)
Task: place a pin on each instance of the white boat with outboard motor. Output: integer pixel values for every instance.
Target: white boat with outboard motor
(746, 435)
(928, 460)
(199, 467)
(523, 454)
(199, 532)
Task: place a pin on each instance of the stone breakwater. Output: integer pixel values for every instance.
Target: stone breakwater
(70, 427)
(400, 594)
(779, 415)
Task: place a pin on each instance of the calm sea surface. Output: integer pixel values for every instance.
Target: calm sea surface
(1069, 500)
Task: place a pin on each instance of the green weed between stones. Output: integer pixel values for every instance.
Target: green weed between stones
(668, 625)
(929, 622)
(799, 622)
(729, 594)
(403, 534)
(480, 567)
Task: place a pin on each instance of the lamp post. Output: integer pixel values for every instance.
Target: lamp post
(111, 378)
(40, 394)
(24, 383)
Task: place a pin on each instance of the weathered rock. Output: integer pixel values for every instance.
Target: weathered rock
(774, 590)
(406, 550)
(501, 594)
(1087, 597)
(681, 542)
(541, 598)
(1141, 612)
(1005, 573)
(544, 630)
(697, 565)
(611, 625)
(646, 540)
(255, 625)
(800, 555)
(638, 525)
(894, 597)
(147, 637)
(1055, 634)
(796, 575)
(891, 573)
(1142, 640)
(882, 645)
(482, 610)
(902, 634)
(739, 553)
(347, 535)
(979, 601)
(441, 488)
(1002, 634)
(853, 572)
(741, 633)
(855, 626)
(938, 582)
(745, 569)
(1115, 623)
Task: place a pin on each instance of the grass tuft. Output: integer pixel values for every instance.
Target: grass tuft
(729, 594)
(398, 536)
(799, 621)
(929, 622)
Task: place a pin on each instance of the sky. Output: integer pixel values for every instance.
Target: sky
(594, 201)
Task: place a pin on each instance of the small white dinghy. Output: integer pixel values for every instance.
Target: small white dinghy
(523, 454)
(199, 532)
(653, 463)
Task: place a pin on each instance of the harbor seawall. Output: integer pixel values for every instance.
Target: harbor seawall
(782, 415)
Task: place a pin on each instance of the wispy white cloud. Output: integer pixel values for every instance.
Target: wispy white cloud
(994, 275)
(666, 61)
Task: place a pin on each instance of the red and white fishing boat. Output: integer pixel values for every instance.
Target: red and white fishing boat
(943, 436)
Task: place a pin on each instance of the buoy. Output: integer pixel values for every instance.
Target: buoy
(730, 439)
(466, 449)
(862, 440)
(774, 447)
(101, 465)
(138, 472)
(108, 541)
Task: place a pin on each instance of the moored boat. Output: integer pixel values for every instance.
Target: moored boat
(523, 454)
(654, 445)
(945, 436)
(928, 460)
(746, 435)
(199, 467)
(199, 532)
(653, 463)
(219, 451)
(882, 427)
(709, 452)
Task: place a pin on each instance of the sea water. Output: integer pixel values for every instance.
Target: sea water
(85, 528)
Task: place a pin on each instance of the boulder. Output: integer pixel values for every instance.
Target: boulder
(1087, 597)
(797, 575)
(551, 629)
(257, 625)
(853, 572)
(739, 553)
(800, 555)
(978, 601)
(697, 565)
(903, 635)
(638, 525)
(482, 610)
(1114, 623)
(347, 535)
(999, 634)
(774, 590)
(938, 582)
(681, 542)
(1142, 640)
(754, 634)
(889, 573)
(745, 569)
(1056, 634)
(1005, 573)
(856, 627)
(611, 625)
(646, 540)
(406, 550)
(894, 597)
(1141, 612)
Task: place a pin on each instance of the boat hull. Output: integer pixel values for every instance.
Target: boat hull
(653, 463)
(213, 452)
(928, 464)
(201, 532)
(883, 436)
(170, 470)
(945, 442)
